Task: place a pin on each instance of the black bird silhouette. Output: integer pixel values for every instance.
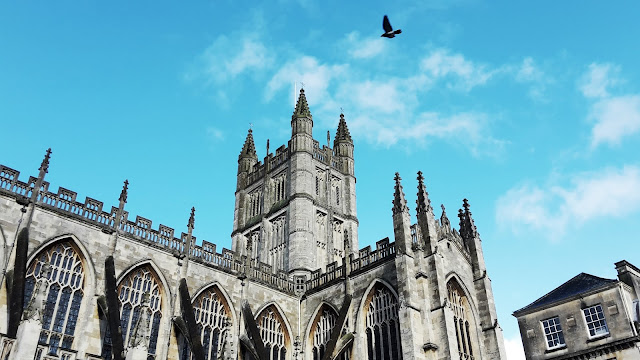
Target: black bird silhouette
(388, 30)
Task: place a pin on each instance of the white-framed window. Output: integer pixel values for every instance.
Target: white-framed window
(596, 323)
(553, 333)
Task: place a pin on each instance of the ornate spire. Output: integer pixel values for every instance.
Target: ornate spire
(399, 202)
(249, 147)
(302, 108)
(424, 204)
(342, 134)
(192, 218)
(444, 220)
(45, 162)
(123, 193)
(471, 226)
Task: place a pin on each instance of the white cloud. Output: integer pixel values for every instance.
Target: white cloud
(306, 69)
(529, 72)
(464, 74)
(229, 57)
(215, 134)
(553, 208)
(363, 48)
(514, 348)
(614, 119)
(596, 81)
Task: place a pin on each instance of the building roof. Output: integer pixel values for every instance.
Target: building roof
(579, 284)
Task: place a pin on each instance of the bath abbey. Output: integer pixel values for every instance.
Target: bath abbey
(84, 280)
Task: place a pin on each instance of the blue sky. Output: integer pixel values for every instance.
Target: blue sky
(529, 110)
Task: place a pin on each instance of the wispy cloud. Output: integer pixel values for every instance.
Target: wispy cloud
(614, 117)
(308, 70)
(461, 73)
(215, 134)
(530, 73)
(554, 208)
(227, 58)
(513, 347)
(595, 83)
(363, 48)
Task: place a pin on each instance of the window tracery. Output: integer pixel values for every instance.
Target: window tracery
(458, 303)
(382, 327)
(212, 314)
(130, 292)
(321, 331)
(273, 332)
(65, 282)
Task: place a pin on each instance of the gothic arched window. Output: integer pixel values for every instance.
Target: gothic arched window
(321, 329)
(273, 332)
(213, 316)
(382, 328)
(65, 282)
(131, 289)
(461, 315)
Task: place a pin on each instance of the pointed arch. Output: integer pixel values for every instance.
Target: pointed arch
(320, 328)
(140, 278)
(85, 256)
(380, 320)
(214, 316)
(275, 331)
(463, 318)
(65, 282)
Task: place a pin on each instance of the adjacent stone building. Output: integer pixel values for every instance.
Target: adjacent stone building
(587, 317)
(84, 281)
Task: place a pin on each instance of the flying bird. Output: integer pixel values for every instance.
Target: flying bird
(388, 30)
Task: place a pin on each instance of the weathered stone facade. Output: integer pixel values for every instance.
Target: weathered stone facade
(585, 318)
(293, 275)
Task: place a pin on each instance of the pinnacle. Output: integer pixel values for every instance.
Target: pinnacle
(249, 147)
(192, 218)
(302, 108)
(399, 202)
(342, 134)
(424, 204)
(123, 193)
(45, 162)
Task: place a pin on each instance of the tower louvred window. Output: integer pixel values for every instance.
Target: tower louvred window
(64, 293)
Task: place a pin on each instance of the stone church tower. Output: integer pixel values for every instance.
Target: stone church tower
(84, 282)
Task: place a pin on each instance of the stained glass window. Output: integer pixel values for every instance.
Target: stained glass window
(273, 333)
(382, 328)
(213, 316)
(65, 282)
(321, 331)
(461, 315)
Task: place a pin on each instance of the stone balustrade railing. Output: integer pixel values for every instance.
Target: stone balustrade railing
(92, 212)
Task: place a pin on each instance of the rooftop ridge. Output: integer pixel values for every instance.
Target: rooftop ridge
(578, 284)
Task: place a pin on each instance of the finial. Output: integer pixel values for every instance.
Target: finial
(267, 147)
(192, 218)
(123, 193)
(45, 162)
(250, 127)
(444, 220)
(465, 205)
(399, 202)
(301, 86)
(341, 112)
(423, 201)
(328, 138)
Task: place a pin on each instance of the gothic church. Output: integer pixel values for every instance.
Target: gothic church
(85, 281)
